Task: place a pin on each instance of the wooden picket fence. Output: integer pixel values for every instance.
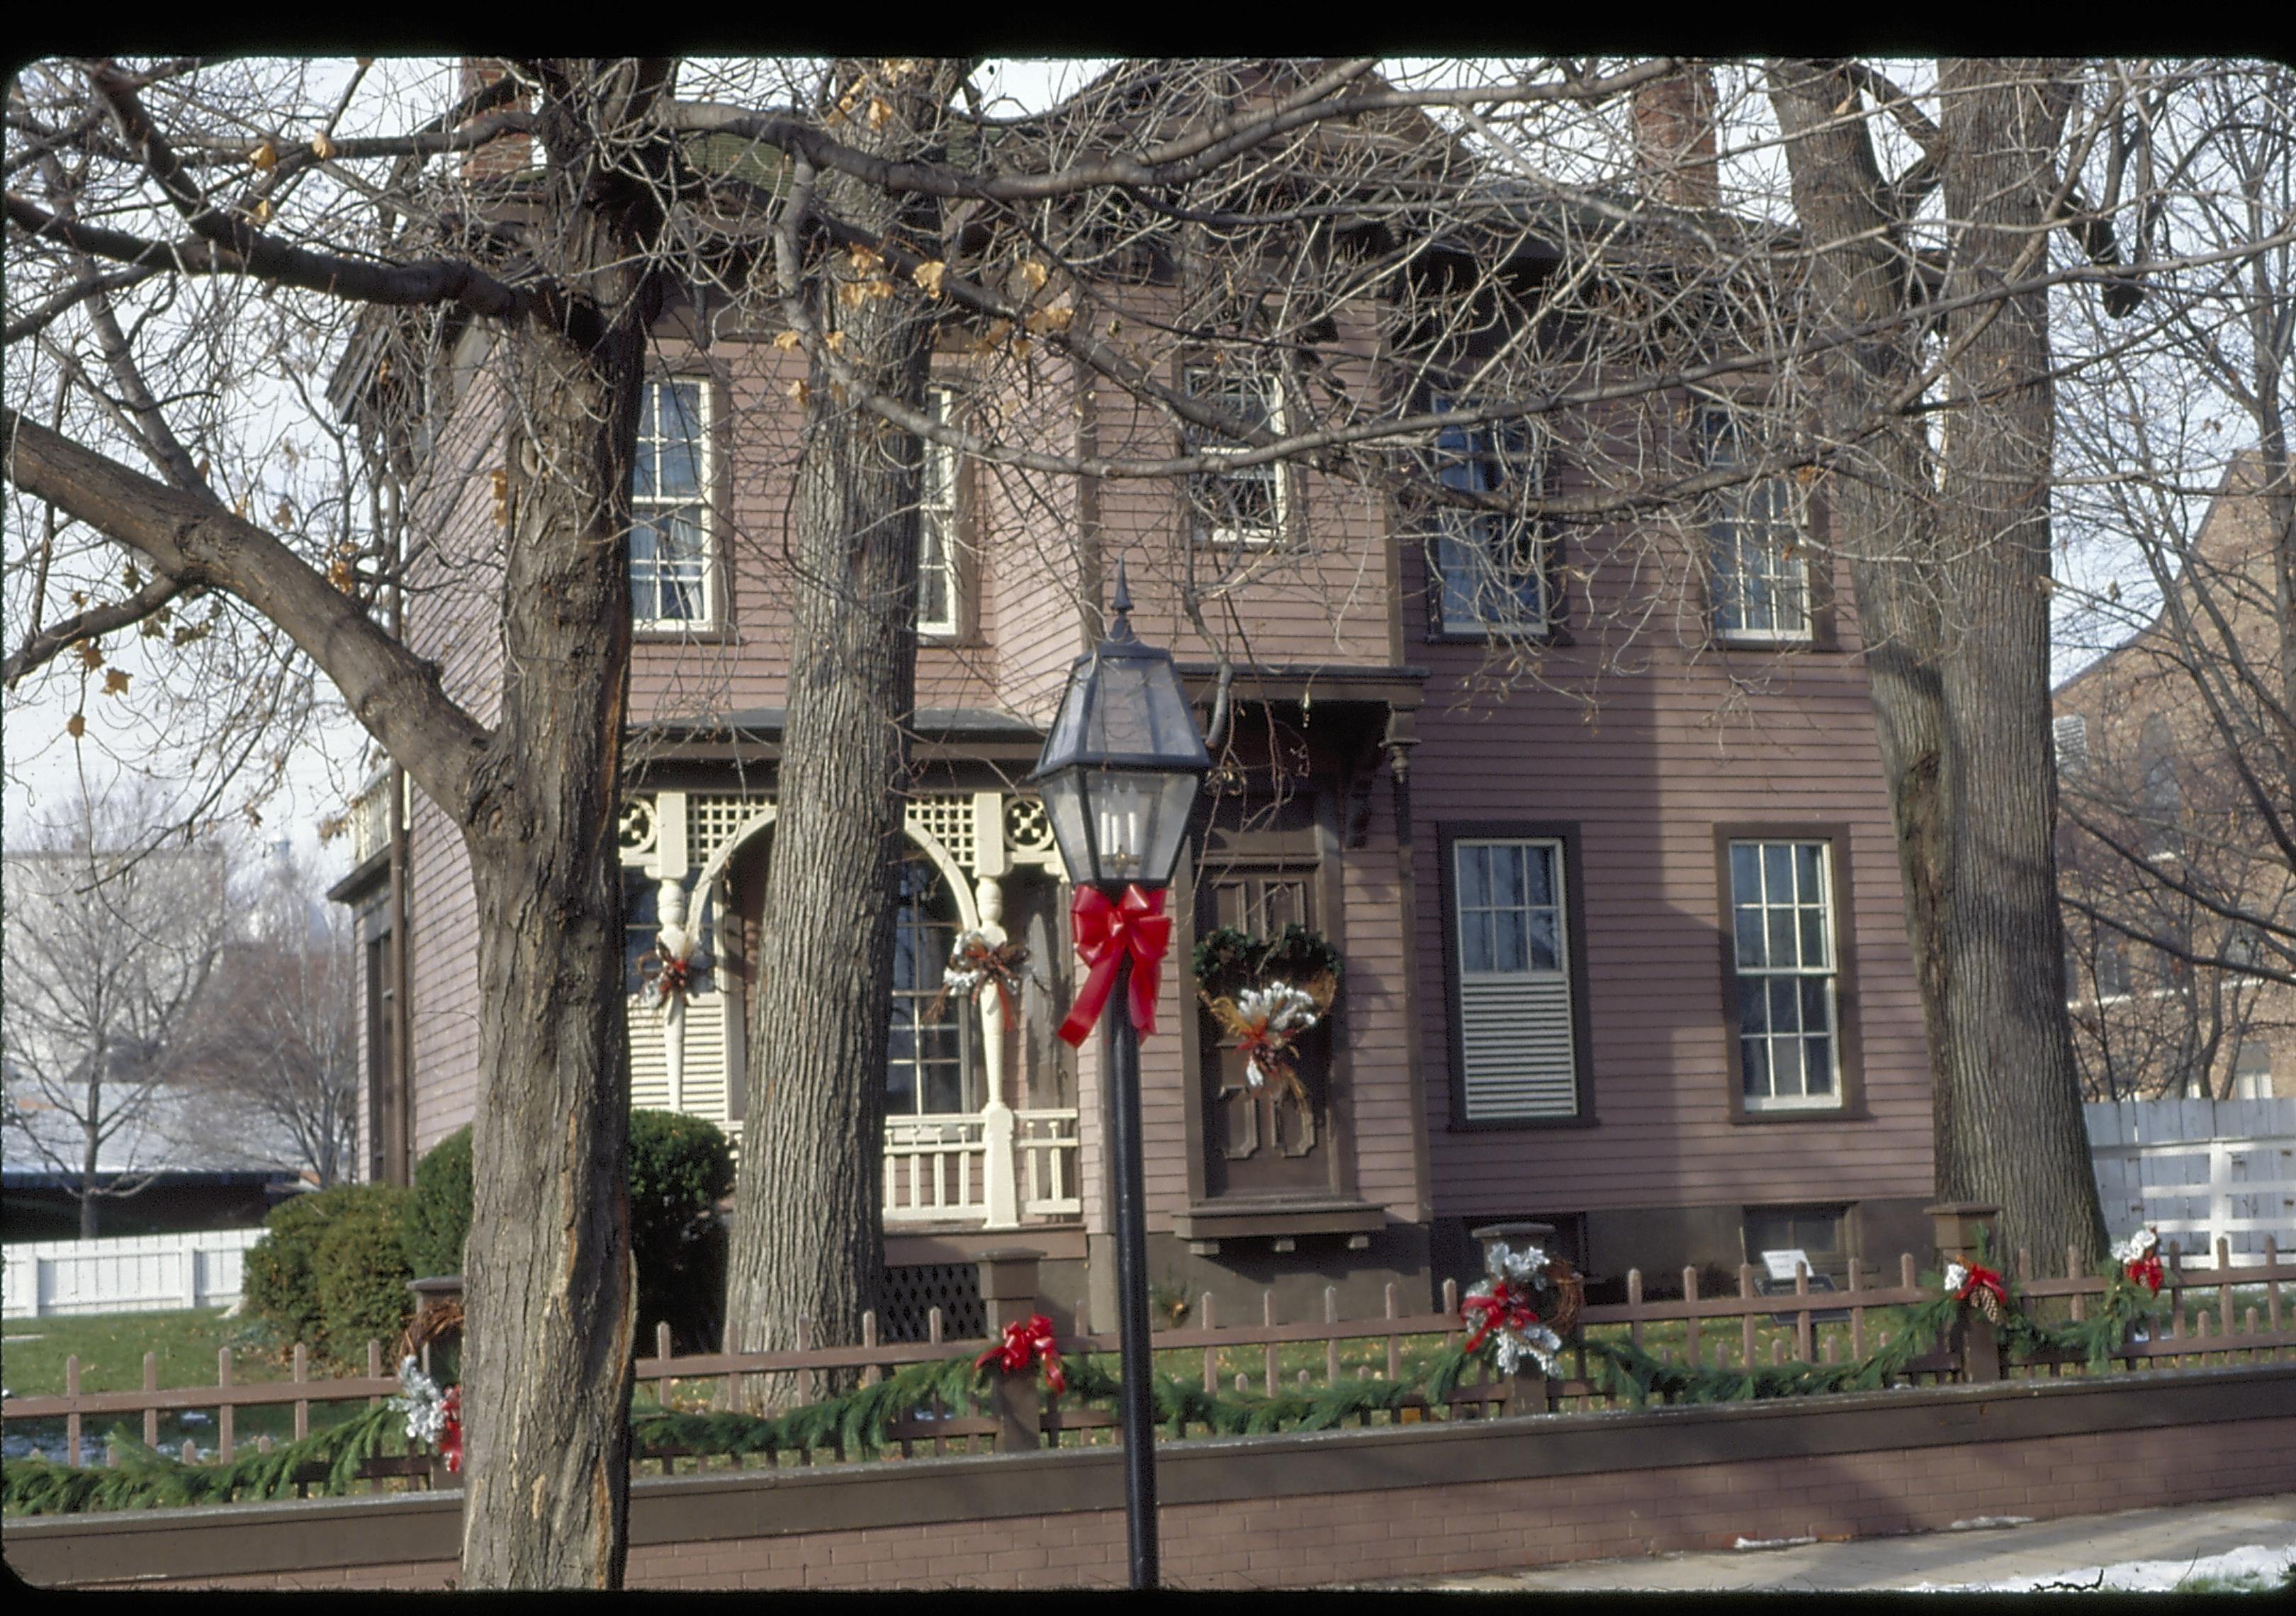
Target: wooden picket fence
(1720, 1330)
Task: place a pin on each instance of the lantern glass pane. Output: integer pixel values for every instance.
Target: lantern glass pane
(1064, 802)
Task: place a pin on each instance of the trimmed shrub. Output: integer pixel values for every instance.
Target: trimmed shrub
(680, 1167)
(279, 1284)
(439, 1213)
(361, 1265)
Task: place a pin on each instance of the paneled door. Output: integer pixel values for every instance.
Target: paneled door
(1258, 1143)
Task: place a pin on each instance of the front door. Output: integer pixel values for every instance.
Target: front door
(1258, 1143)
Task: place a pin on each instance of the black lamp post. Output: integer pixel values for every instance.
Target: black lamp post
(1119, 773)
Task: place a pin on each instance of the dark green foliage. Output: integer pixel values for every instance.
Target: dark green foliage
(280, 1287)
(362, 1272)
(438, 1216)
(1227, 961)
(146, 1480)
(680, 1167)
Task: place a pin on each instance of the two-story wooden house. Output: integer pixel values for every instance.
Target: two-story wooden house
(1636, 967)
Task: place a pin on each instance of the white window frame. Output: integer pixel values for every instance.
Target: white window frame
(956, 1026)
(1749, 542)
(1829, 972)
(940, 527)
(698, 504)
(1204, 381)
(1517, 1027)
(1488, 537)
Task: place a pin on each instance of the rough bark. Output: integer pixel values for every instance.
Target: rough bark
(550, 1288)
(808, 1237)
(2010, 1129)
(1951, 568)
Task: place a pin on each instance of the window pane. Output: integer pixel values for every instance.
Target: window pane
(1814, 1016)
(1777, 871)
(1474, 877)
(1782, 939)
(1542, 875)
(1475, 941)
(1753, 1007)
(1819, 1073)
(1751, 954)
(1508, 934)
(1754, 1054)
(1745, 872)
(1785, 1067)
(1806, 872)
(1813, 938)
(1784, 1005)
(1546, 948)
(1507, 877)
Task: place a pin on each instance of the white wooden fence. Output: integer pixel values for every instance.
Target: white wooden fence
(133, 1274)
(2197, 1170)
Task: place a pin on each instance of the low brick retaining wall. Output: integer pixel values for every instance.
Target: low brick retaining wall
(1296, 1511)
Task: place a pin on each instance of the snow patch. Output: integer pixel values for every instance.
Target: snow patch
(2266, 1565)
(1980, 1523)
(1771, 1542)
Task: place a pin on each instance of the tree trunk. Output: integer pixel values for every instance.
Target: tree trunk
(807, 1233)
(2011, 1128)
(550, 1287)
(1952, 602)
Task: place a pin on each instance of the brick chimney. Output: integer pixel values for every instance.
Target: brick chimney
(1673, 139)
(504, 154)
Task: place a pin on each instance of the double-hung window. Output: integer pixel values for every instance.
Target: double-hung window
(1785, 958)
(1518, 1039)
(1490, 566)
(672, 581)
(1761, 570)
(1248, 505)
(938, 532)
(928, 1058)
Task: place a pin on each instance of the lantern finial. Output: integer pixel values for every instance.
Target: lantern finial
(1121, 604)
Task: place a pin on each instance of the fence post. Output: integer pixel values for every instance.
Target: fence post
(1008, 1296)
(1961, 1227)
(1531, 1392)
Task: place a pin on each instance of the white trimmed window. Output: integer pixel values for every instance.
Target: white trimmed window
(1517, 1055)
(1490, 566)
(1761, 574)
(938, 532)
(672, 574)
(1251, 504)
(1781, 914)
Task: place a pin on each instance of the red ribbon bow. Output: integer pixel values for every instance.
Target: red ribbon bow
(1106, 931)
(1506, 1307)
(1982, 1278)
(450, 1438)
(1026, 1340)
(2147, 1269)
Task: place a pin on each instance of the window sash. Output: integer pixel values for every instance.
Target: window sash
(1783, 952)
(1250, 505)
(1761, 574)
(1491, 569)
(939, 533)
(1512, 991)
(930, 1066)
(672, 574)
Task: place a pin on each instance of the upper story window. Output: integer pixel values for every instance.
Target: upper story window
(1782, 922)
(938, 532)
(1761, 572)
(1517, 1040)
(672, 571)
(1492, 568)
(1250, 504)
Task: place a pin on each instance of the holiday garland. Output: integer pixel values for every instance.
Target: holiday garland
(1266, 996)
(859, 1423)
(975, 963)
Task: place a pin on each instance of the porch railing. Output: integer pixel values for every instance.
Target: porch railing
(939, 1168)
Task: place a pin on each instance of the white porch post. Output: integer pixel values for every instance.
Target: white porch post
(999, 1182)
(674, 943)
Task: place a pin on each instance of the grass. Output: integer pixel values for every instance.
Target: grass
(111, 1347)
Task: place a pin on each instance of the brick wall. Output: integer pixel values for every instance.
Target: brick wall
(1332, 1507)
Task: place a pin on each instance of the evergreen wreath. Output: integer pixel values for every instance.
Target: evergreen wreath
(1266, 995)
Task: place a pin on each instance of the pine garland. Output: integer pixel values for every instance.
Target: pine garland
(146, 1479)
(858, 1423)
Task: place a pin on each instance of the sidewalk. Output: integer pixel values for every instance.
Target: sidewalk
(1984, 1554)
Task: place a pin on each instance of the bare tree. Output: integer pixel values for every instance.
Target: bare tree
(1415, 290)
(275, 1037)
(109, 947)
